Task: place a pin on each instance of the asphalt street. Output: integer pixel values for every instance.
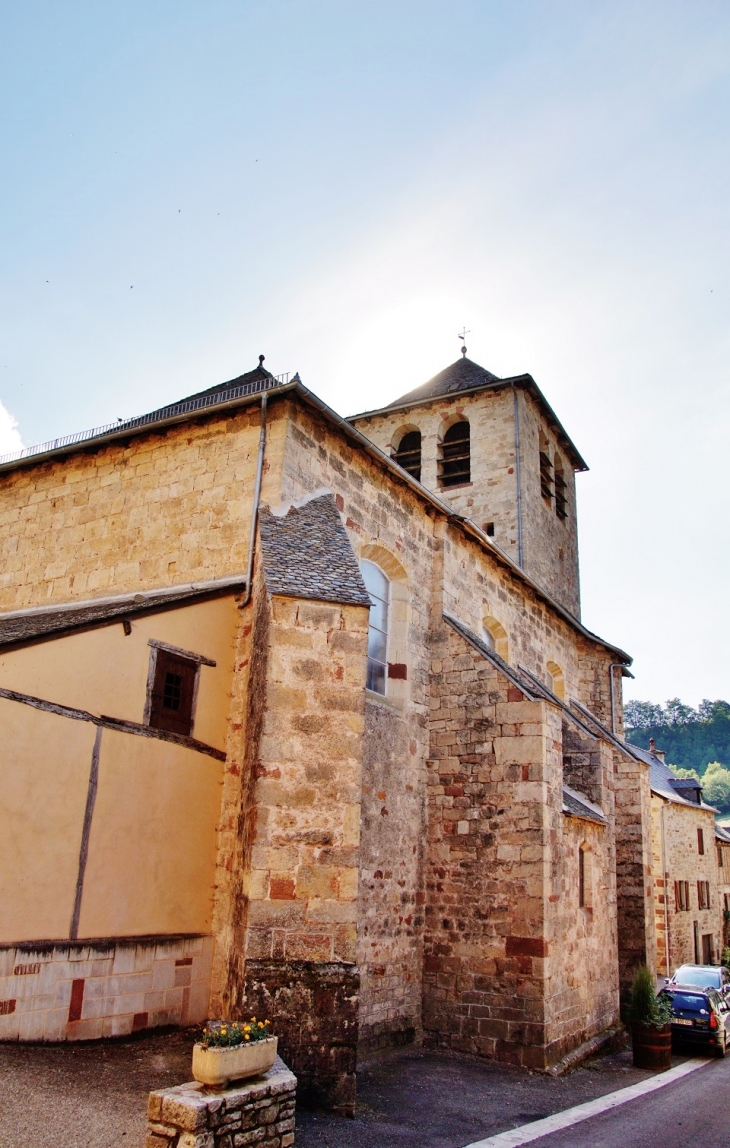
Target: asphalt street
(693, 1111)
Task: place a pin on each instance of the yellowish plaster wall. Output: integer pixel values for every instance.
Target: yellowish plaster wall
(152, 846)
(44, 773)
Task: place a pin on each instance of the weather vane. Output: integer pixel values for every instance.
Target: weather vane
(462, 335)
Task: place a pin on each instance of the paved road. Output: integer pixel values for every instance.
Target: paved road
(694, 1111)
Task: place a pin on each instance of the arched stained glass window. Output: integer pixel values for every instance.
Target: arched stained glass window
(378, 587)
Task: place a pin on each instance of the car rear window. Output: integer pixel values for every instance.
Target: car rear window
(689, 1000)
(704, 977)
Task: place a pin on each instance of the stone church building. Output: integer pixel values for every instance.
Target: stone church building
(300, 719)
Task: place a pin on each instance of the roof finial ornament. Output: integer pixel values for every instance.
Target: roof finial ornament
(261, 360)
(462, 335)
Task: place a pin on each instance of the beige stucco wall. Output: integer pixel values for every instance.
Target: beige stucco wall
(44, 774)
(152, 844)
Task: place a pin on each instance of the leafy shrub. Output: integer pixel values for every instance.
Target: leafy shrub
(645, 1007)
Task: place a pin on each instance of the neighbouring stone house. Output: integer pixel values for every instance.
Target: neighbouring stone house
(300, 718)
(690, 868)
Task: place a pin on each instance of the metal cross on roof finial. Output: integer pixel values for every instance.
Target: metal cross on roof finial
(462, 335)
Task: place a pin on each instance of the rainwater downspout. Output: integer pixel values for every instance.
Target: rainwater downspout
(625, 674)
(255, 506)
(518, 477)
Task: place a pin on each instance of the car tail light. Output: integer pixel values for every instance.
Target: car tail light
(713, 1020)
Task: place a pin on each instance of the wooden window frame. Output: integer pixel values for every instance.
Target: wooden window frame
(681, 896)
(700, 840)
(703, 894)
(164, 655)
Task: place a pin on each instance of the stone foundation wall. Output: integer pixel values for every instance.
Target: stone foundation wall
(87, 991)
(313, 1009)
(260, 1111)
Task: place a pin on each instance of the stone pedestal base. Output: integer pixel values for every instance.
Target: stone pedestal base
(258, 1111)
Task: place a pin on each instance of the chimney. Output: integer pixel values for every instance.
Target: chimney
(660, 753)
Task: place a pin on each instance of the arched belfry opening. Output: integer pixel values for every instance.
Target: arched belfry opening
(408, 453)
(454, 465)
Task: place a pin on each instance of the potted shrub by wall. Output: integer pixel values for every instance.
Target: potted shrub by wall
(233, 1050)
(651, 1023)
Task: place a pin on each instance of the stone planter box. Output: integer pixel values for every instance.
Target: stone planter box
(652, 1047)
(215, 1067)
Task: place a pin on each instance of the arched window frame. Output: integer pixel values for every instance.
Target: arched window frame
(378, 587)
(494, 630)
(454, 454)
(557, 679)
(397, 681)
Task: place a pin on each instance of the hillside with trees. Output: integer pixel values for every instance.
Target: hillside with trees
(693, 740)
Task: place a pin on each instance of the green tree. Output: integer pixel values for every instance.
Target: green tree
(716, 786)
(679, 772)
(692, 738)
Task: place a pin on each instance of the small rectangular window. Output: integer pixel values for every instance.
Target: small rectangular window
(173, 693)
(681, 896)
(720, 860)
(703, 894)
(700, 841)
(581, 878)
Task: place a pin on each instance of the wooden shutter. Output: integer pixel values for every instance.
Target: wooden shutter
(172, 693)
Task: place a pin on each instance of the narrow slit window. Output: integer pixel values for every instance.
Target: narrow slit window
(408, 453)
(378, 587)
(700, 841)
(173, 693)
(560, 488)
(454, 465)
(581, 878)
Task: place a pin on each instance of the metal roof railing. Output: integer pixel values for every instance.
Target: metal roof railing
(161, 415)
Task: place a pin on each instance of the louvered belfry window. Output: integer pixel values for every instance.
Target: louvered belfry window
(561, 508)
(408, 453)
(173, 692)
(455, 462)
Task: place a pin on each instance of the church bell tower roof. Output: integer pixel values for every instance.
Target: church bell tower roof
(463, 375)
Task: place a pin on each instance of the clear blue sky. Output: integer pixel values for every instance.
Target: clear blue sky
(341, 187)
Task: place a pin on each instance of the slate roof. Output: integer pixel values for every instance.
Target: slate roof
(661, 780)
(27, 626)
(307, 554)
(257, 375)
(576, 805)
(459, 376)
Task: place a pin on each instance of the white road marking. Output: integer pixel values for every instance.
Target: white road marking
(526, 1133)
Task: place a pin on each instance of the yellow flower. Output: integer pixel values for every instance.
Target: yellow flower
(247, 1037)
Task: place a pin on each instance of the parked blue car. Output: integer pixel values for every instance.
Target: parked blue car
(701, 1018)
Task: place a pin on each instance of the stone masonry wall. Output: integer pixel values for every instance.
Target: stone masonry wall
(485, 945)
(634, 882)
(102, 989)
(258, 1111)
(302, 882)
(163, 508)
(513, 969)
(680, 860)
(391, 519)
(582, 992)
